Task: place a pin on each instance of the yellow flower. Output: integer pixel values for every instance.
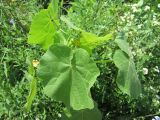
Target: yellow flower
(35, 63)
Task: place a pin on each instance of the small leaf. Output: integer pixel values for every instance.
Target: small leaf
(90, 41)
(127, 78)
(68, 76)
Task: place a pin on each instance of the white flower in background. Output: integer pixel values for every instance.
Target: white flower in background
(152, 88)
(139, 26)
(158, 97)
(145, 71)
(156, 23)
(156, 69)
(127, 13)
(37, 118)
(146, 8)
(150, 54)
(134, 53)
(122, 18)
(135, 8)
(12, 21)
(130, 33)
(156, 118)
(59, 115)
(135, 5)
(139, 51)
(24, 115)
(154, 16)
(159, 6)
(130, 17)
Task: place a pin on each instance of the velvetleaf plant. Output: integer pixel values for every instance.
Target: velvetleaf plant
(67, 71)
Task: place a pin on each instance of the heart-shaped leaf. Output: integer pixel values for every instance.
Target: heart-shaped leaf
(68, 76)
(44, 26)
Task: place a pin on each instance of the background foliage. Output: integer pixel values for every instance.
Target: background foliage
(138, 20)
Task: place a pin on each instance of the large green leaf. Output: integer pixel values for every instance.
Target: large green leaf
(44, 26)
(85, 114)
(127, 78)
(90, 41)
(68, 76)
